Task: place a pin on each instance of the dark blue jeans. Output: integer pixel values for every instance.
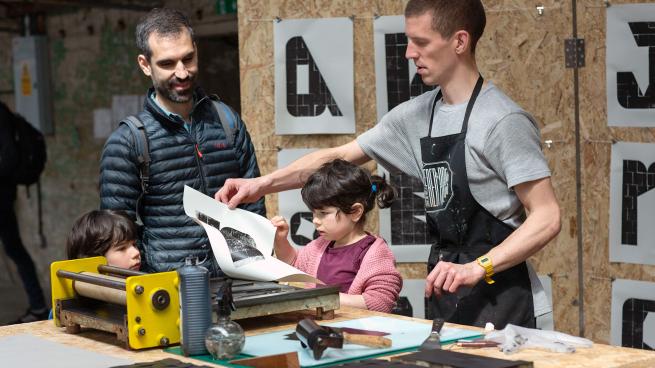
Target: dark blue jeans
(10, 237)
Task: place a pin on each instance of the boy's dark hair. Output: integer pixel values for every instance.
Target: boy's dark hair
(97, 231)
(450, 16)
(341, 184)
(164, 22)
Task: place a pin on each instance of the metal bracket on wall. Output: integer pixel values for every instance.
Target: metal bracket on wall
(574, 52)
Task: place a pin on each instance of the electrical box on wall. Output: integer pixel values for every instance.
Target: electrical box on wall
(32, 81)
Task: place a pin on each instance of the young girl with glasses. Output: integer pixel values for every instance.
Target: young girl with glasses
(340, 194)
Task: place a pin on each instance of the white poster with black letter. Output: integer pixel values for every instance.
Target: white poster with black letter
(397, 82)
(632, 203)
(291, 205)
(630, 64)
(314, 85)
(633, 314)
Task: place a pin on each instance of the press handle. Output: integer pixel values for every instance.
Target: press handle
(366, 340)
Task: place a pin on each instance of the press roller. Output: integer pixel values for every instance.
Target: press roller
(143, 310)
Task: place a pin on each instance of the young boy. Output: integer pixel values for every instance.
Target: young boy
(107, 233)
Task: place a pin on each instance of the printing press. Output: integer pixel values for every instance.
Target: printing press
(143, 310)
(260, 298)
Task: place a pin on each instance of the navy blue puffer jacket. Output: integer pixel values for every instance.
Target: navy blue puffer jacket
(201, 159)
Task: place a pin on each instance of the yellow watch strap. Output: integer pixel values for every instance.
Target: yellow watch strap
(485, 262)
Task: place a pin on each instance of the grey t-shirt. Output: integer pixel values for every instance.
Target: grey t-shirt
(503, 149)
(503, 146)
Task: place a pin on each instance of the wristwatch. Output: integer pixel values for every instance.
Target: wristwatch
(485, 262)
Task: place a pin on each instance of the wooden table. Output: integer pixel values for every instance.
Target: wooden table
(598, 356)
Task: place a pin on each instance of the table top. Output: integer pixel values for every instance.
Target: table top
(599, 355)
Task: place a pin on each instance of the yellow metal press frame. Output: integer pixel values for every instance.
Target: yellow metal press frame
(148, 323)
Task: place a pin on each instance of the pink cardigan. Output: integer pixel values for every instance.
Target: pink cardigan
(377, 280)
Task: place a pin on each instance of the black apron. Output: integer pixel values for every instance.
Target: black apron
(463, 231)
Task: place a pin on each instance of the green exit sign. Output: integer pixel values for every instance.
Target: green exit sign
(226, 7)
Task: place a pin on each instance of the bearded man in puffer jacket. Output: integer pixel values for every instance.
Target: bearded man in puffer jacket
(188, 145)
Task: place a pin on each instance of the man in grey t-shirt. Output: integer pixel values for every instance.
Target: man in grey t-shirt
(502, 145)
(488, 196)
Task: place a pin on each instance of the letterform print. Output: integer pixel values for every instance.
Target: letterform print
(408, 212)
(302, 228)
(631, 65)
(314, 99)
(637, 180)
(291, 206)
(314, 87)
(410, 208)
(632, 203)
(629, 94)
(404, 224)
(399, 86)
(633, 314)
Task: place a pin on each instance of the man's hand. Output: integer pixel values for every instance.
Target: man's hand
(236, 191)
(448, 277)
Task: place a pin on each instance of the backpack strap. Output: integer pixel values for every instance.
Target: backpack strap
(143, 157)
(227, 118)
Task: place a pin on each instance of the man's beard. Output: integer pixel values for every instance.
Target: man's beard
(167, 90)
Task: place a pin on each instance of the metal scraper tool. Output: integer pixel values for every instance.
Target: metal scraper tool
(433, 342)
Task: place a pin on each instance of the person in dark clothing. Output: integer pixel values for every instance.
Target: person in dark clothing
(9, 232)
(188, 142)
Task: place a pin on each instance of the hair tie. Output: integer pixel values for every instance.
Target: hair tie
(374, 188)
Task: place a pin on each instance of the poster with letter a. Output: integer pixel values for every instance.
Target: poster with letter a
(314, 85)
(632, 203)
(403, 225)
(631, 65)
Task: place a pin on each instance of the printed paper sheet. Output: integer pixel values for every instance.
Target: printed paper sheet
(242, 241)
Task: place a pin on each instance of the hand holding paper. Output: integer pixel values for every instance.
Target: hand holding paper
(242, 241)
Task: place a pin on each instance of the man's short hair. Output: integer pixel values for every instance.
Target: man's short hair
(162, 21)
(450, 16)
